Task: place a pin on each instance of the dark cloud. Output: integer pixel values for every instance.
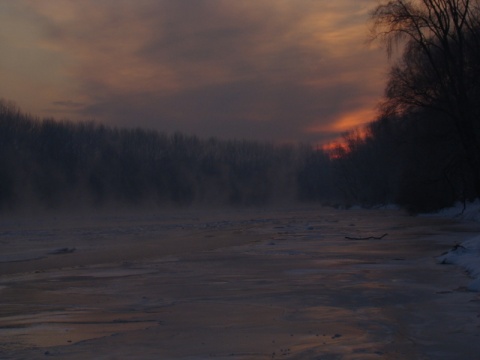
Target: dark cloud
(251, 109)
(265, 69)
(69, 104)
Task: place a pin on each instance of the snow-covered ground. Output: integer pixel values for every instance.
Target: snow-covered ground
(469, 211)
(466, 253)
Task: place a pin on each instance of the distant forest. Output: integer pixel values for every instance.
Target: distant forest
(58, 164)
(48, 164)
(421, 153)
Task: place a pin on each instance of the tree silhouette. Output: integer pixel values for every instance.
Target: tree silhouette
(65, 165)
(439, 68)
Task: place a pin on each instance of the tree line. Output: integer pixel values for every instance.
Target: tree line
(57, 164)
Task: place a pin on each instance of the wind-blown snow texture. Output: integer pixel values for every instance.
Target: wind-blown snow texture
(465, 254)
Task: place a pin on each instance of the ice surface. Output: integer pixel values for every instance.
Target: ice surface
(253, 284)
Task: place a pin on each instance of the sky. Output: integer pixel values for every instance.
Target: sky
(267, 70)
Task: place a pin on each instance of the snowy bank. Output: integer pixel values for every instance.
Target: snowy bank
(469, 211)
(467, 253)
(467, 256)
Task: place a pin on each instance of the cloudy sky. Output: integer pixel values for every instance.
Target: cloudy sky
(275, 70)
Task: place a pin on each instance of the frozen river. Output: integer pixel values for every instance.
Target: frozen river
(258, 284)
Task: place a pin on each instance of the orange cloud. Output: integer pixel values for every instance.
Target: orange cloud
(346, 121)
(354, 119)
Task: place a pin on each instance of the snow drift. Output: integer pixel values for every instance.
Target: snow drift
(467, 256)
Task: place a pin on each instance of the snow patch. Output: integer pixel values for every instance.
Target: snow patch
(469, 211)
(467, 256)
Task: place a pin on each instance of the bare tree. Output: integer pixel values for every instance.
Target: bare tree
(439, 69)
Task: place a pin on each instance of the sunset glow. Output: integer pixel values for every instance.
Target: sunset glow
(351, 120)
(346, 122)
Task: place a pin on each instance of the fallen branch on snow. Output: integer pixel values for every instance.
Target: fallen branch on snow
(366, 238)
(65, 250)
